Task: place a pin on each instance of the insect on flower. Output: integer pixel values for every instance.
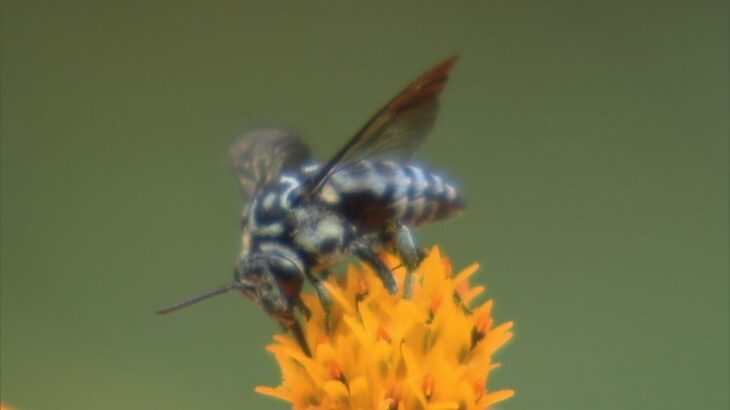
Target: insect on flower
(303, 216)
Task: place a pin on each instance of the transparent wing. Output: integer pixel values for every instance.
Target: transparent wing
(396, 131)
(263, 153)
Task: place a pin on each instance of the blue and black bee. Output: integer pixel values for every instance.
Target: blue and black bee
(303, 216)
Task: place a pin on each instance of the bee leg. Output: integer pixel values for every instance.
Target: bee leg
(367, 255)
(296, 330)
(421, 255)
(299, 304)
(323, 294)
(408, 252)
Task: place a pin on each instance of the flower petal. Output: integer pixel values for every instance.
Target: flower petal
(336, 390)
(277, 392)
(496, 396)
(339, 297)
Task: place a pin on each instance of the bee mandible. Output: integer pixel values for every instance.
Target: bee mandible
(303, 216)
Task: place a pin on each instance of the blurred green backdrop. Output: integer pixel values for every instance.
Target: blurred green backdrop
(590, 138)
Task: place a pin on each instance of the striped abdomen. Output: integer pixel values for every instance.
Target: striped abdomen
(372, 193)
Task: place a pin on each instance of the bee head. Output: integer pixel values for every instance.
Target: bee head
(270, 280)
(258, 279)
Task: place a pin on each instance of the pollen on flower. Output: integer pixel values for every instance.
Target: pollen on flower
(383, 334)
(335, 370)
(427, 385)
(436, 303)
(362, 286)
(380, 351)
(481, 324)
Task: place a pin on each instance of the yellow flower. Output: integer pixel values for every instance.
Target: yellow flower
(384, 352)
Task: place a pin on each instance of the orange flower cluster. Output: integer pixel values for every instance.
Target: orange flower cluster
(383, 352)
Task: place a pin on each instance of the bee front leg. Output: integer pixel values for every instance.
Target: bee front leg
(299, 304)
(296, 330)
(324, 296)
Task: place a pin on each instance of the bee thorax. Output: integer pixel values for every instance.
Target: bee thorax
(319, 233)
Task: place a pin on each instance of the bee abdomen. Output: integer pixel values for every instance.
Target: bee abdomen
(373, 193)
(428, 198)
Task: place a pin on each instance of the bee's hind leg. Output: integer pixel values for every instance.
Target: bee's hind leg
(412, 257)
(324, 296)
(403, 244)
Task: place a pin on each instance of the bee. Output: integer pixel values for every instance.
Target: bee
(303, 216)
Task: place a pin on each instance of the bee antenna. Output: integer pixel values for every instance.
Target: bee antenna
(195, 299)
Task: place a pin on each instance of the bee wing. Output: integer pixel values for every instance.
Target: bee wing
(264, 153)
(397, 130)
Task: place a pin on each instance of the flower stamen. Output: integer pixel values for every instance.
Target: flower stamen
(323, 339)
(481, 326)
(434, 307)
(361, 290)
(427, 385)
(335, 370)
(479, 387)
(383, 334)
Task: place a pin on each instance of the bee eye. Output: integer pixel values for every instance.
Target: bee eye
(283, 268)
(248, 279)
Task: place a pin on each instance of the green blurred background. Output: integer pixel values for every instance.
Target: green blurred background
(590, 139)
